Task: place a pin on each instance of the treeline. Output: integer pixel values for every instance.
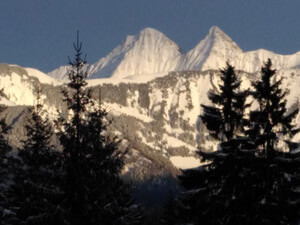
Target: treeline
(251, 178)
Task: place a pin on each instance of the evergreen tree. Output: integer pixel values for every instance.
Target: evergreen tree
(239, 185)
(34, 196)
(213, 192)
(225, 119)
(94, 192)
(270, 122)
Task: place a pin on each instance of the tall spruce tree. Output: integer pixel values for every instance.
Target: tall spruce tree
(240, 185)
(271, 124)
(94, 192)
(214, 192)
(34, 196)
(225, 119)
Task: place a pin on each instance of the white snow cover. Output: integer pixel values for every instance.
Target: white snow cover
(147, 53)
(142, 78)
(211, 51)
(42, 77)
(60, 73)
(17, 91)
(185, 162)
(189, 88)
(118, 109)
(151, 52)
(19, 88)
(174, 142)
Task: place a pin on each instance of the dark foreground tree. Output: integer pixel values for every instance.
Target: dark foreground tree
(271, 122)
(225, 119)
(239, 185)
(271, 130)
(209, 189)
(34, 196)
(94, 192)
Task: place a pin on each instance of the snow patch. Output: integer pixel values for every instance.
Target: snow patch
(42, 77)
(118, 110)
(185, 162)
(174, 142)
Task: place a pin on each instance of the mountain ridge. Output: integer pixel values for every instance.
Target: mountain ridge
(151, 52)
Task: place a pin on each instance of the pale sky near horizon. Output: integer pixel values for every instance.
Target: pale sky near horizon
(40, 33)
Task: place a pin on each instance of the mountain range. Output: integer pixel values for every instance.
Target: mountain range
(152, 53)
(153, 94)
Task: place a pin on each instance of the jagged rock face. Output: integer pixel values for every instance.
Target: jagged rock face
(151, 52)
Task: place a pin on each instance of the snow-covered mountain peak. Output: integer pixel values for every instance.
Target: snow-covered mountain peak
(152, 38)
(148, 31)
(145, 36)
(60, 73)
(215, 29)
(152, 52)
(148, 52)
(151, 34)
(129, 40)
(217, 32)
(218, 39)
(209, 52)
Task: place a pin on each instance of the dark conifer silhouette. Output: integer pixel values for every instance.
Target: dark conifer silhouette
(211, 190)
(240, 185)
(34, 196)
(94, 192)
(225, 119)
(271, 124)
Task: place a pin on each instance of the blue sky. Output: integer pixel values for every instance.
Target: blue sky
(39, 33)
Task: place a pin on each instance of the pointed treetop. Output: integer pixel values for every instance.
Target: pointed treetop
(78, 45)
